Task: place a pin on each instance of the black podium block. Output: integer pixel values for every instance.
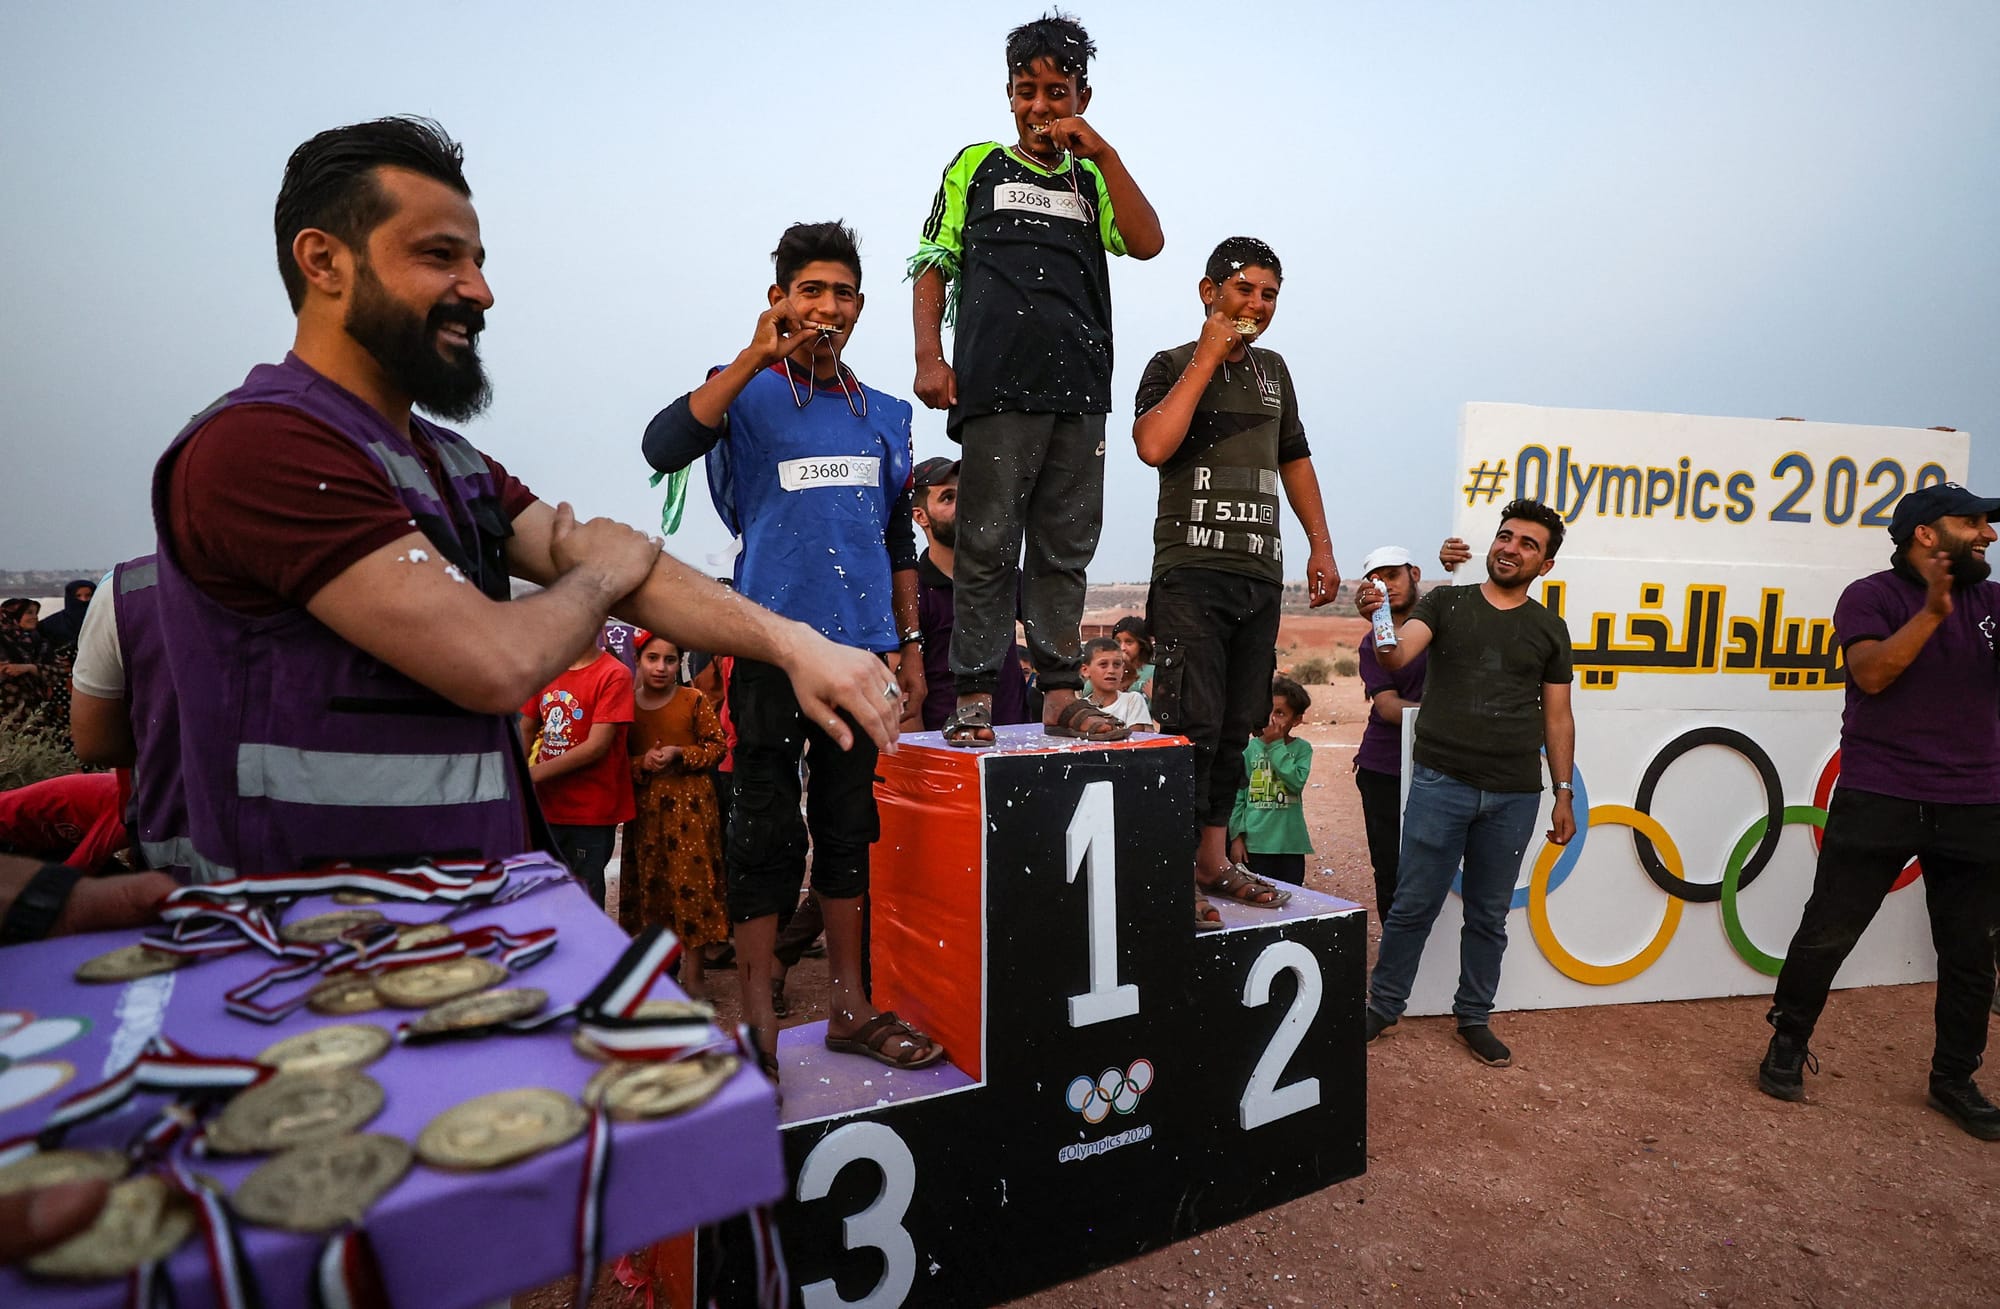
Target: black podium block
(1117, 1082)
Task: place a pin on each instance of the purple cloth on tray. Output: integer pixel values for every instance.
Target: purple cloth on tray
(442, 1239)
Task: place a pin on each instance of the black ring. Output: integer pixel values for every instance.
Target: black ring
(1774, 792)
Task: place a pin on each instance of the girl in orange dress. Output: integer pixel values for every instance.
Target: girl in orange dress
(672, 870)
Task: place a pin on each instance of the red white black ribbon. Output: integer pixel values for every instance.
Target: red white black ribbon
(590, 1203)
(372, 956)
(161, 1066)
(345, 1275)
(226, 1270)
(606, 1015)
(774, 1280)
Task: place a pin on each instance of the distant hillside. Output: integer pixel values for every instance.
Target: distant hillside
(1118, 598)
(39, 582)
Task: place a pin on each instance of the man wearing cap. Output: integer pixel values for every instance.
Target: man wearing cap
(934, 507)
(1919, 779)
(1378, 763)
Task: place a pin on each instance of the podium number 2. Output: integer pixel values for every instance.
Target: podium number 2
(1090, 848)
(880, 1225)
(1264, 1101)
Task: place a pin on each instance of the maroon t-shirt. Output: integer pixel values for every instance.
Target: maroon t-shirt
(265, 506)
(1933, 734)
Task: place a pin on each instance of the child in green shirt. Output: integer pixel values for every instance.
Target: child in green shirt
(1268, 826)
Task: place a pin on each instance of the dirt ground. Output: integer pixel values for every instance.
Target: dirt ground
(1627, 1157)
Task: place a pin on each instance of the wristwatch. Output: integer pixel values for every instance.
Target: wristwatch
(1565, 786)
(914, 636)
(38, 905)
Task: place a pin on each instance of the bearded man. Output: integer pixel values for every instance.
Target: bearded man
(344, 659)
(1919, 779)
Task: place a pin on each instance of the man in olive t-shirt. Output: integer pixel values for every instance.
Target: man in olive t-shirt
(1497, 692)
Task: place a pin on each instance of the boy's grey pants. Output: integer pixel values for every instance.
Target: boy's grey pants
(1038, 480)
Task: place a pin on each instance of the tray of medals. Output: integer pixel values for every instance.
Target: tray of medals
(439, 1086)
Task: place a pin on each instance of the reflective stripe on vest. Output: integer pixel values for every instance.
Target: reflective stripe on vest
(389, 781)
(179, 852)
(138, 578)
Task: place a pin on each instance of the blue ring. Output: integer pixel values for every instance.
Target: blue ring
(1565, 865)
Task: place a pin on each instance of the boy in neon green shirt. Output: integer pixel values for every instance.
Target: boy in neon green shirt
(1268, 826)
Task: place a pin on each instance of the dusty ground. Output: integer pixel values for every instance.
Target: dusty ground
(1626, 1158)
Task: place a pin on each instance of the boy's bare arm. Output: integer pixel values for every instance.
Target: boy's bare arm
(1160, 430)
(936, 384)
(1137, 222)
(1302, 490)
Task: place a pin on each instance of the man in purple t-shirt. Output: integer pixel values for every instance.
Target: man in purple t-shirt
(1378, 763)
(934, 507)
(1919, 778)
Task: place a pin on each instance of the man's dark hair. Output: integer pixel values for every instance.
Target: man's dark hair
(1242, 252)
(1284, 688)
(1056, 37)
(807, 243)
(1534, 511)
(330, 183)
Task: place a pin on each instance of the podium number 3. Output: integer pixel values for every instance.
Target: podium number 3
(880, 1225)
(1091, 848)
(1264, 1101)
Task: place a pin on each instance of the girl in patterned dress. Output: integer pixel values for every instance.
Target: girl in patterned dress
(672, 870)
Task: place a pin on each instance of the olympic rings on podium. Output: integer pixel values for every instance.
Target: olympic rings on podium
(1540, 883)
(1774, 795)
(1732, 921)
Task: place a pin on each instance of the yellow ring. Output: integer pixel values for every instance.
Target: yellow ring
(1614, 815)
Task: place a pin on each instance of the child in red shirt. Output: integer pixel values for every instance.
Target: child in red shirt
(577, 728)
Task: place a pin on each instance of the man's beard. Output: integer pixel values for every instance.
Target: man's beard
(1967, 567)
(1523, 579)
(454, 389)
(944, 533)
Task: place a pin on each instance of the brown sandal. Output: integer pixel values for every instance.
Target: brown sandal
(1207, 918)
(1245, 887)
(873, 1036)
(966, 723)
(1086, 722)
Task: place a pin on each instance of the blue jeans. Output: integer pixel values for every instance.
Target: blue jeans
(1446, 821)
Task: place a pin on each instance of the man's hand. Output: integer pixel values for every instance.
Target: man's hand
(1077, 137)
(1239, 850)
(43, 1218)
(1218, 340)
(103, 904)
(621, 555)
(910, 677)
(1453, 553)
(777, 334)
(1367, 597)
(1935, 569)
(936, 385)
(1563, 821)
(1322, 577)
(829, 679)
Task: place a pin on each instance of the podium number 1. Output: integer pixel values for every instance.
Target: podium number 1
(1090, 848)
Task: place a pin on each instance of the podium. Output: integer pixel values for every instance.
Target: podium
(1116, 1081)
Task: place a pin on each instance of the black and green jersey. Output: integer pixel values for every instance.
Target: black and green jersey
(1024, 251)
(1219, 491)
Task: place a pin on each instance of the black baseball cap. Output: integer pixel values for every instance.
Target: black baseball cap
(1945, 500)
(934, 472)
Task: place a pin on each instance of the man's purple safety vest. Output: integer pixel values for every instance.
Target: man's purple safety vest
(156, 815)
(298, 749)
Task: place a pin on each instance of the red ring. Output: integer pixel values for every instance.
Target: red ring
(1823, 791)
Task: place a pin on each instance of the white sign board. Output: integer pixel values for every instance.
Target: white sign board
(1699, 573)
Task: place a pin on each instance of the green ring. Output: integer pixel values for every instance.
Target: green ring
(1732, 872)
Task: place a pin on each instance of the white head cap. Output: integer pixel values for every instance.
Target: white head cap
(1384, 556)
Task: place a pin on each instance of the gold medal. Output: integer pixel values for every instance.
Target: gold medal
(343, 1045)
(143, 1220)
(655, 1090)
(1246, 327)
(344, 993)
(126, 963)
(428, 984)
(321, 928)
(652, 1011)
(494, 1130)
(294, 1109)
(482, 1009)
(54, 1167)
(323, 1186)
(420, 934)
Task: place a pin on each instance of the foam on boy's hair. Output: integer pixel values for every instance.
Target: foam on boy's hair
(1242, 252)
(1056, 37)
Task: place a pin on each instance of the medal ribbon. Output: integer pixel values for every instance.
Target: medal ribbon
(161, 1066)
(373, 956)
(590, 1203)
(225, 1259)
(606, 1014)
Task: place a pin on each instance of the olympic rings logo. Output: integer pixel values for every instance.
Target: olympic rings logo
(1661, 859)
(1095, 1099)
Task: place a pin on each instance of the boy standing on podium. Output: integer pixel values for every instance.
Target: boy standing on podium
(811, 469)
(1219, 419)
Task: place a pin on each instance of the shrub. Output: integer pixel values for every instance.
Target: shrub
(30, 752)
(1346, 666)
(1313, 671)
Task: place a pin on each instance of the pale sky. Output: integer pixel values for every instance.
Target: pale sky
(1750, 209)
